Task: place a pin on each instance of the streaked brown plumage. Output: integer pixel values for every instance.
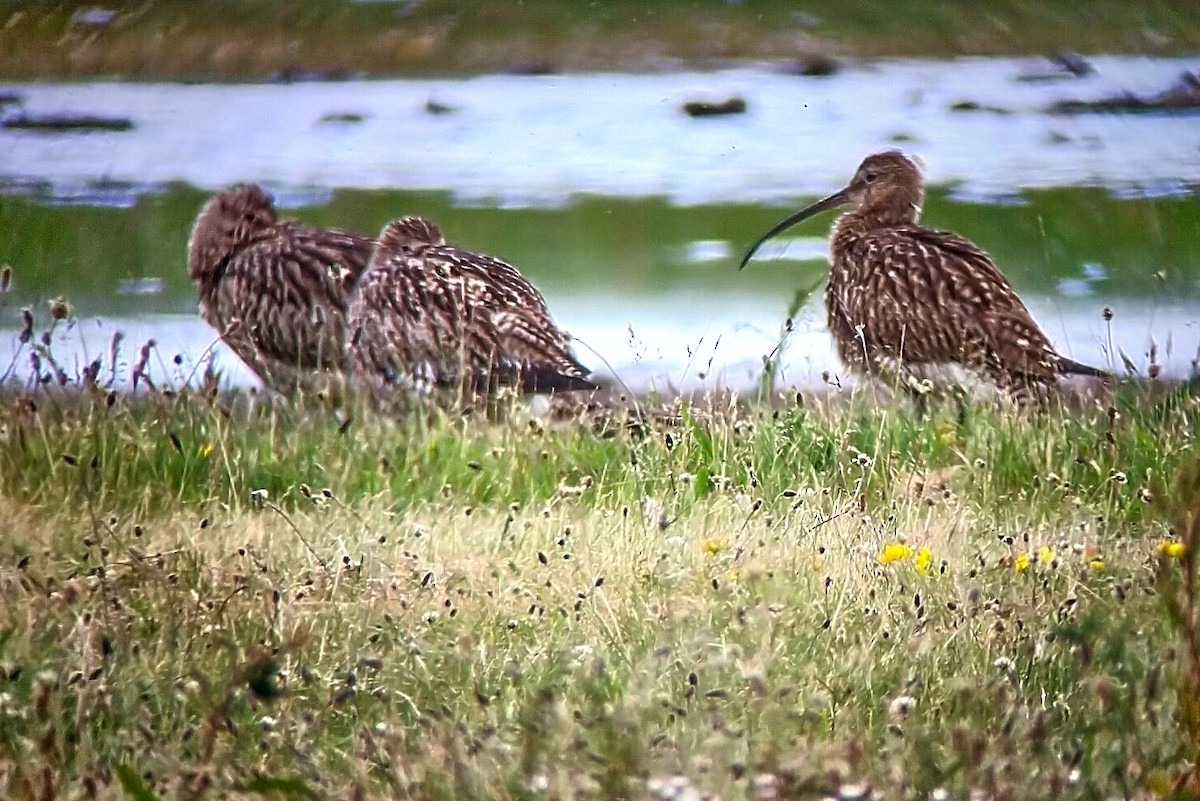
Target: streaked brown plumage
(276, 289)
(903, 300)
(432, 315)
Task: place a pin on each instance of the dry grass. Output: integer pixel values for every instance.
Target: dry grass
(351, 651)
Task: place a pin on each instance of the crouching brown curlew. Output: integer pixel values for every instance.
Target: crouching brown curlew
(431, 315)
(904, 301)
(276, 289)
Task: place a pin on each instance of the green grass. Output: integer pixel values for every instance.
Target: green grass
(235, 40)
(207, 595)
(152, 451)
(437, 653)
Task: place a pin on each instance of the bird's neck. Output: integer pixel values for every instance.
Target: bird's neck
(853, 225)
(888, 207)
(872, 218)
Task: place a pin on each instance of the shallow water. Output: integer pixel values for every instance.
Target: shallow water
(720, 343)
(628, 213)
(538, 140)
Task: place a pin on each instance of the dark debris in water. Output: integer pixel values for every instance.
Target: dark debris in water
(704, 108)
(1073, 63)
(67, 123)
(1184, 96)
(434, 107)
(344, 117)
(971, 105)
(816, 65)
(1063, 66)
(11, 98)
(532, 67)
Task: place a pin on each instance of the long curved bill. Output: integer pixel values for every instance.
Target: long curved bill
(833, 201)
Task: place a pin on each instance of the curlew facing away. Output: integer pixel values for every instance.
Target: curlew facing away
(904, 300)
(276, 289)
(432, 315)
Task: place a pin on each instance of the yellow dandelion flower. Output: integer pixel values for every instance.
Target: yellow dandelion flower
(894, 551)
(714, 546)
(923, 559)
(1021, 562)
(205, 449)
(1171, 548)
(947, 433)
(1097, 563)
(1045, 554)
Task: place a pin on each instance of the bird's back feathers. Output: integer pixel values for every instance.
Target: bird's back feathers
(929, 296)
(433, 314)
(277, 290)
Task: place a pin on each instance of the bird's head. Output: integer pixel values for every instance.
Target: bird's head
(886, 190)
(230, 220)
(406, 236)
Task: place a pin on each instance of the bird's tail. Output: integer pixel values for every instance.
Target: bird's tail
(551, 379)
(527, 378)
(1071, 367)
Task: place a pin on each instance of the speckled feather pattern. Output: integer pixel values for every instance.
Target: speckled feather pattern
(276, 290)
(922, 296)
(903, 299)
(429, 314)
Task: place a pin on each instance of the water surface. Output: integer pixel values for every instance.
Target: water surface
(626, 212)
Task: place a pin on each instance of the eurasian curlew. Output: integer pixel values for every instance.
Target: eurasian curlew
(904, 300)
(431, 315)
(276, 289)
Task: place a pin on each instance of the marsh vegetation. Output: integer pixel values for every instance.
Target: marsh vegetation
(211, 593)
(335, 39)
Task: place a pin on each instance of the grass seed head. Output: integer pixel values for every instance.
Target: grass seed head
(59, 309)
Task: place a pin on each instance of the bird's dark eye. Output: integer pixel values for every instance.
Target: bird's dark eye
(871, 176)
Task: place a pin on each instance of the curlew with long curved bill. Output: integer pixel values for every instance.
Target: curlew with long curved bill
(430, 315)
(276, 289)
(903, 301)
